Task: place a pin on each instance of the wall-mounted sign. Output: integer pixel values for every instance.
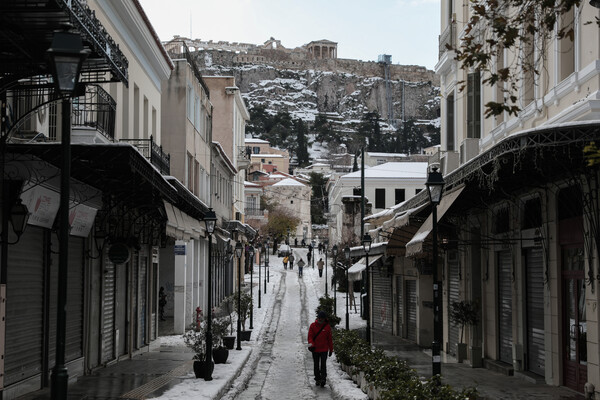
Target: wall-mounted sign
(81, 219)
(119, 253)
(42, 204)
(180, 249)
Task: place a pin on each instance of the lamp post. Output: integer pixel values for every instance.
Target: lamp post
(325, 248)
(267, 277)
(251, 254)
(238, 253)
(312, 254)
(261, 251)
(435, 185)
(334, 251)
(347, 254)
(366, 242)
(66, 55)
(210, 219)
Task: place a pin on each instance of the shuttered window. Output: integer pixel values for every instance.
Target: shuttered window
(473, 105)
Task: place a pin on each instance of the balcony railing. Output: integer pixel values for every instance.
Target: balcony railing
(254, 212)
(153, 152)
(96, 109)
(448, 38)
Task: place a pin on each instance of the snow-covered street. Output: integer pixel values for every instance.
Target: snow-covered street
(275, 363)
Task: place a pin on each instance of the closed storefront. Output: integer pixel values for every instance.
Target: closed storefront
(400, 307)
(534, 274)
(382, 300)
(108, 312)
(504, 304)
(453, 296)
(411, 310)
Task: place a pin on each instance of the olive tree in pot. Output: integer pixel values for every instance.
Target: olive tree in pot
(243, 311)
(463, 313)
(227, 308)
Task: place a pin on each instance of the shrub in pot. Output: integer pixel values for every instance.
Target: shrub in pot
(463, 313)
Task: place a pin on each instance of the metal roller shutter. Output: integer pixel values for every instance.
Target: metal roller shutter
(505, 306)
(535, 311)
(24, 307)
(108, 312)
(453, 296)
(142, 296)
(382, 301)
(400, 306)
(411, 310)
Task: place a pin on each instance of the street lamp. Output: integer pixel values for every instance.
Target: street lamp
(325, 247)
(261, 251)
(210, 218)
(435, 186)
(251, 254)
(347, 254)
(334, 251)
(267, 277)
(238, 253)
(66, 55)
(366, 242)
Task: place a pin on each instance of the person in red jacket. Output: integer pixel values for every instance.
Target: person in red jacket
(320, 343)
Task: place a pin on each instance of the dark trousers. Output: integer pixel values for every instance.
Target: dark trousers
(320, 365)
(320, 273)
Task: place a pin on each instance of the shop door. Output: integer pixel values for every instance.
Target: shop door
(574, 328)
(504, 304)
(399, 307)
(536, 357)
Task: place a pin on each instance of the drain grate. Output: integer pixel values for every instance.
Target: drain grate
(144, 390)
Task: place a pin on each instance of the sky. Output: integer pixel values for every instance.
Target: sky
(408, 30)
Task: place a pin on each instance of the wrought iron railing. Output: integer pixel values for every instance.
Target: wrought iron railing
(153, 152)
(254, 212)
(448, 38)
(96, 109)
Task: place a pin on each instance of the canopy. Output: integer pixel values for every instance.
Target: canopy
(356, 270)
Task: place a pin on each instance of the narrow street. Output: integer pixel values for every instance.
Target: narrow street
(283, 368)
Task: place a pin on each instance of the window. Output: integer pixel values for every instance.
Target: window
(532, 214)
(379, 198)
(255, 150)
(450, 123)
(189, 179)
(473, 105)
(262, 160)
(417, 191)
(501, 221)
(190, 103)
(566, 47)
(399, 196)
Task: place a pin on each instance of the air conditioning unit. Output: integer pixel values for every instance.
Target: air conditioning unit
(449, 162)
(469, 149)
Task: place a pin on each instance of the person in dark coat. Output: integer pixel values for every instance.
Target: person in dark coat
(320, 343)
(162, 302)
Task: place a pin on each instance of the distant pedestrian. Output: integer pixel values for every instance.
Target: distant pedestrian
(285, 262)
(303, 243)
(296, 242)
(162, 302)
(320, 248)
(300, 267)
(320, 265)
(320, 342)
(291, 259)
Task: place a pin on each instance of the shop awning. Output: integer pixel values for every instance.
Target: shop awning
(355, 271)
(415, 246)
(172, 228)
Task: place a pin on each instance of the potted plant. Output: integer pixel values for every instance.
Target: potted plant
(463, 313)
(219, 329)
(227, 308)
(245, 302)
(195, 339)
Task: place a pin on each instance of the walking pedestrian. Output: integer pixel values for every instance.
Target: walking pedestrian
(285, 262)
(320, 265)
(320, 343)
(320, 248)
(296, 242)
(162, 302)
(300, 267)
(291, 259)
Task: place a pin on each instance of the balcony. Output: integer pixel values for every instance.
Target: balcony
(153, 153)
(243, 157)
(251, 212)
(93, 116)
(447, 38)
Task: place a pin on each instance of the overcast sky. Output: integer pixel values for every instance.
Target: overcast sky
(406, 29)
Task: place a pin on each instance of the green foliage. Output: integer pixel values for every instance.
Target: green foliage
(411, 139)
(464, 313)
(326, 304)
(318, 184)
(394, 379)
(302, 143)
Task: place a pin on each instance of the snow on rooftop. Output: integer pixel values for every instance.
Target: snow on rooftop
(255, 140)
(393, 170)
(289, 182)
